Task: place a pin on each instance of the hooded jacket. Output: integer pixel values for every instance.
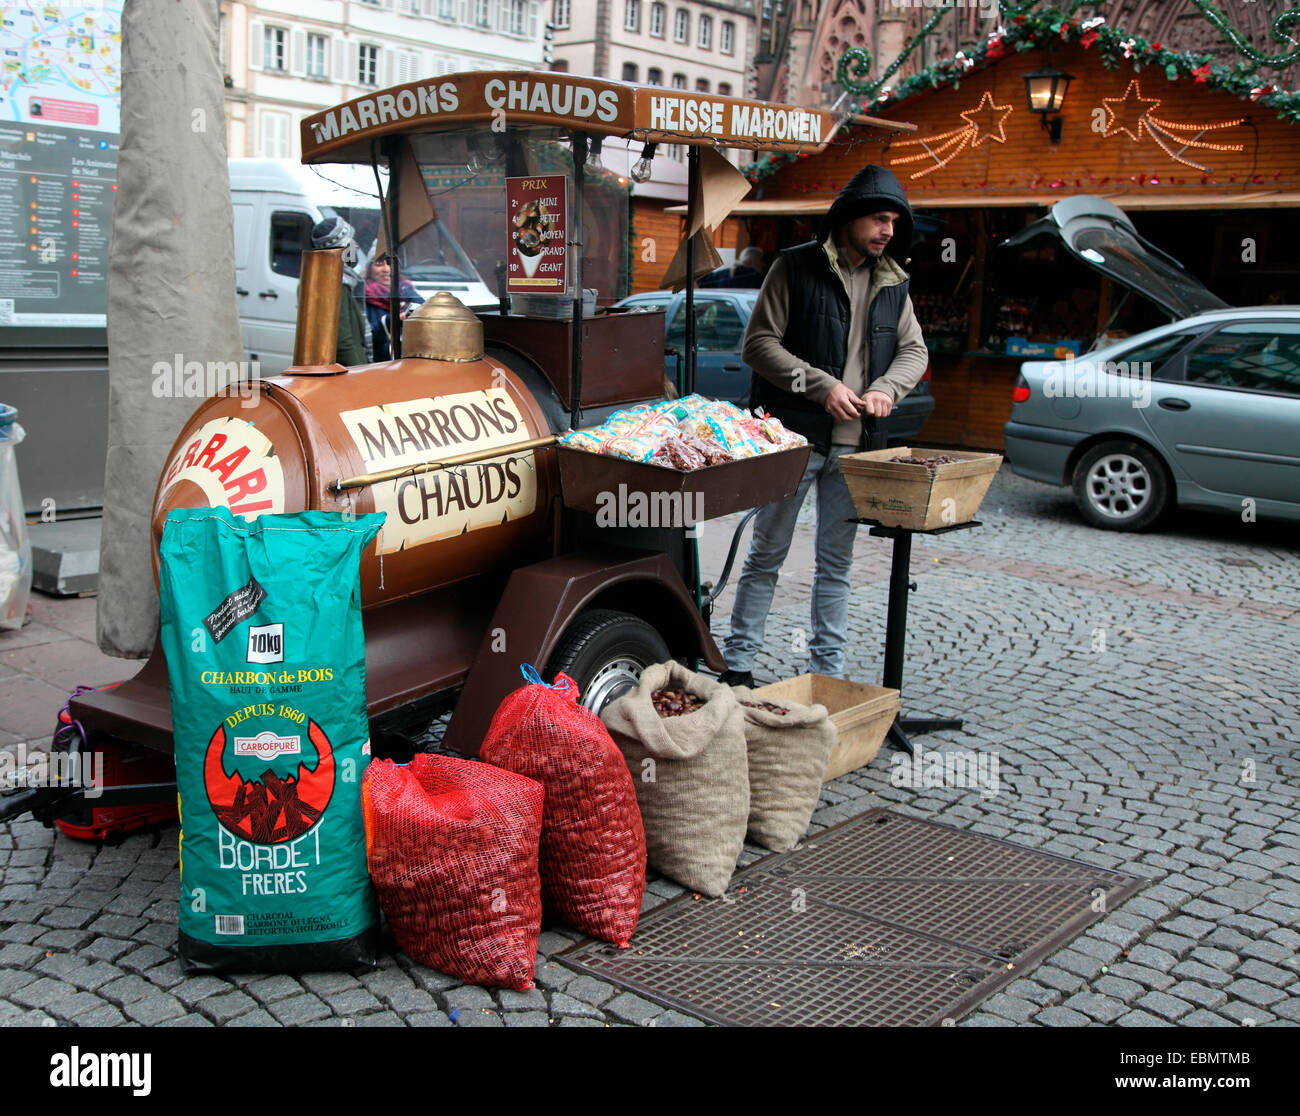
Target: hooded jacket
(797, 339)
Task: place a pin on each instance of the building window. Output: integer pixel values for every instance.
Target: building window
(561, 15)
(654, 76)
(511, 18)
(275, 135)
(631, 15)
(724, 89)
(728, 44)
(273, 40)
(447, 9)
(629, 71)
(367, 64)
(408, 67)
(482, 13)
(705, 39)
(681, 26)
(679, 81)
(701, 85)
(317, 45)
(657, 20)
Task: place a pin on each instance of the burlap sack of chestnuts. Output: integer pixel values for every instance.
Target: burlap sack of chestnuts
(691, 776)
(788, 753)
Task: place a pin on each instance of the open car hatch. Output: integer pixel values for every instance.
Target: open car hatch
(1101, 236)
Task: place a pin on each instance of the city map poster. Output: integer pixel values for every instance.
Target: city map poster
(60, 103)
(537, 237)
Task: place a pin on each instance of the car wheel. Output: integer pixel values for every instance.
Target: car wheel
(604, 652)
(1121, 486)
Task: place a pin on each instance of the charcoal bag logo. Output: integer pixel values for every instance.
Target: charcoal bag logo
(269, 787)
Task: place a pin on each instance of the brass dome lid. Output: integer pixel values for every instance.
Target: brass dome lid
(442, 328)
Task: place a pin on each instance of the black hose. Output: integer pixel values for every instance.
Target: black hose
(716, 591)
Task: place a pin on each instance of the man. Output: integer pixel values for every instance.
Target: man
(834, 343)
(334, 232)
(747, 271)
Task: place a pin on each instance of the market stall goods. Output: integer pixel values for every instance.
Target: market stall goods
(593, 855)
(690, 772)
(261, 625)
(452, 848)
(685, 434)
(788, 746)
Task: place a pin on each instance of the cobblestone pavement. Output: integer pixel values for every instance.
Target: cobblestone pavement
(1138, 691)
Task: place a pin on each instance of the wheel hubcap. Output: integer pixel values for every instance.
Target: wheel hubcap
(614, 679)
(1118, 486)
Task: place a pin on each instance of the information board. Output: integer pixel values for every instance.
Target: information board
(60, 98)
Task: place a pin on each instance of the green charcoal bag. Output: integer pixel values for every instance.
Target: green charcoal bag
(261, 625)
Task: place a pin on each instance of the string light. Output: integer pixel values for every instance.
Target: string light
(946, 146)
(1164, 132)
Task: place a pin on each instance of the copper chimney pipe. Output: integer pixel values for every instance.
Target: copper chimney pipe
(316, 342)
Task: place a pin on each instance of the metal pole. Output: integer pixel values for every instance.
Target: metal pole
(394, 292)
(575, 220)
(692, 183)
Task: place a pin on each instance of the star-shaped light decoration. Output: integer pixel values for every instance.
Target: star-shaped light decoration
(984, 122)
(989, 117)
(1128, 113)
(1132, 113)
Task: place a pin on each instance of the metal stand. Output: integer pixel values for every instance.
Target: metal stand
(896, 627)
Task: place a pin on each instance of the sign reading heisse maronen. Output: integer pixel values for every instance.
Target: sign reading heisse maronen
(565, 100)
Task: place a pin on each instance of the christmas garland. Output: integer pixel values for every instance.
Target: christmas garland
(1049, 28)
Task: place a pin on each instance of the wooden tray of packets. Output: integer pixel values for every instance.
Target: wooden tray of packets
(919, 497)
(640, 494)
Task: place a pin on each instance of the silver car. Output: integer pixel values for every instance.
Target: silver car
(1202, 413)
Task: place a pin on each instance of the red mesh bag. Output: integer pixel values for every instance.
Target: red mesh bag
(593, 843)
(452, 850)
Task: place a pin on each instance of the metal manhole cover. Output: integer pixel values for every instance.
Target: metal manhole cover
(881, 920)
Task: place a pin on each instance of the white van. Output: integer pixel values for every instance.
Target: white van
(276, 202)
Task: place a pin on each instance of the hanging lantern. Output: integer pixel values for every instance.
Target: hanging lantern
(1045, 90)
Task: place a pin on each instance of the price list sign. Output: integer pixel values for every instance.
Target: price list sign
(537, 248)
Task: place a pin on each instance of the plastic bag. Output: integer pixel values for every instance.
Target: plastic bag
(261, 625)
(593, 851)
(15, 546)
(452, 848)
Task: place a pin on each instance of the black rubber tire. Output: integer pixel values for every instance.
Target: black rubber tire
(609, 649)
(1121, 486)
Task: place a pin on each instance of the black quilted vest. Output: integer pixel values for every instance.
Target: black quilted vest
(817, 330)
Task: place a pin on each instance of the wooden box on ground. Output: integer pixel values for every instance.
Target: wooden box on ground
(861, 714)
(916, 496)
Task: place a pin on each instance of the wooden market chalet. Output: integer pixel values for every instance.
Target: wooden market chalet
(1205, 162)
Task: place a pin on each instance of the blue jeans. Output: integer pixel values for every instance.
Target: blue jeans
(773, 530)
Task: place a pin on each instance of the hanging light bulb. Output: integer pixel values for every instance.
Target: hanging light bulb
(477, 162)
(593, 154)
(644, 166)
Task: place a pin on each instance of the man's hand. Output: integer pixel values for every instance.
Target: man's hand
(843, 405)
(878, 403)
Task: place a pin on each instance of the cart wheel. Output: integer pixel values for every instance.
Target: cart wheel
(604, 652)
(1121, 486)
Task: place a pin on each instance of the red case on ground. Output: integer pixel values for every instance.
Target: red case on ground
(125, 765)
